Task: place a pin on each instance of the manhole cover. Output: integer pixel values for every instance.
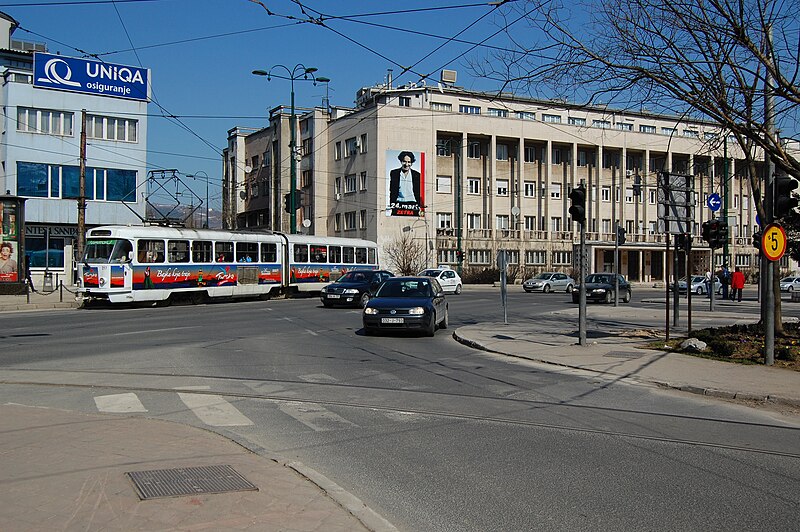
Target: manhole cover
(159, 483)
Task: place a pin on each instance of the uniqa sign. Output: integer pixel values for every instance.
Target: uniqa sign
(91, 77)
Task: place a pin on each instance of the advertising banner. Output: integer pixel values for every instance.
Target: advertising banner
(73, 74)
(405, 183)
(9, 242)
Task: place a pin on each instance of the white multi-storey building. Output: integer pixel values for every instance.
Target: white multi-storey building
(497, 172)
(40, 152)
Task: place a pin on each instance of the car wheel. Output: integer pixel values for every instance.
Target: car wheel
(546, 289)
(431, 330)
(364, 300)
(458, 289)
(575, 299)
(569, 288)
(790, 289)
(627, 297)
(327, 304)
(445, 323)
(609, 297)
(699, 291)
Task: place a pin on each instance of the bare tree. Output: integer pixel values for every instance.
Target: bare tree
(406, 255)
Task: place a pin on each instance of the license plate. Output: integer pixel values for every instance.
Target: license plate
(333, 296)
(391, 320)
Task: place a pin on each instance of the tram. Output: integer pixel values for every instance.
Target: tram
(127, 264)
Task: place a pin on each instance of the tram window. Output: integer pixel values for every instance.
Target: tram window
(319, 253)
(151, 250)
(361, 255)
(122, 251)
(178, 250)
(224, 251)
(349, 255)
(246, 251)
(335, 254)
(269, 253)
(300, 253)
(372, 256)
(201, 251)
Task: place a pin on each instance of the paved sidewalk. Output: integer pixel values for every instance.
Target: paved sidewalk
(60, 298)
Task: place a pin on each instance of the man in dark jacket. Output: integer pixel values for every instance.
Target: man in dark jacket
(404, 183)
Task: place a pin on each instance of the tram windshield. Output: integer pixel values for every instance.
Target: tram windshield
(107, 251)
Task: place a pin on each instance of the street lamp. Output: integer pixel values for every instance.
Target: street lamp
(299, 71)
(205, 175)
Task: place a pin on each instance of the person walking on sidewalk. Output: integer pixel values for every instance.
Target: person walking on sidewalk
(737, 284)
(725, 279)
(28, 273)
(707, 282)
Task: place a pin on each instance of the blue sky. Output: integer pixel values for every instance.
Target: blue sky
(201, 54)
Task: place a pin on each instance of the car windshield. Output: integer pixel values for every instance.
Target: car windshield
(787, 280)
(405, 288)
(431, 273)
(544, 276)
(600, 279)
(355, 277)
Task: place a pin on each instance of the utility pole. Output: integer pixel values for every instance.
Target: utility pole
(82, 188)
(769, 203)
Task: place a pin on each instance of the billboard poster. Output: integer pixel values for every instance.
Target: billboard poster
(405, 183)
(9, 242)
(91, 77)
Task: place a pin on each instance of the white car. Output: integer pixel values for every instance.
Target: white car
(790, 284)
(448, 278)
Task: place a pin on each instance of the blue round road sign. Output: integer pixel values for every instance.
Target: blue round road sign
(714, 202)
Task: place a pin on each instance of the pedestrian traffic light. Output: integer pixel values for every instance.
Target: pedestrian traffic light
(620, 236)
(785, 202)
(683, 241)
(577, 209)
(757, 239)
(287, 202)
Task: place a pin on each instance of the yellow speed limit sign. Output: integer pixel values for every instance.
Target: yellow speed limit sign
(773, 243)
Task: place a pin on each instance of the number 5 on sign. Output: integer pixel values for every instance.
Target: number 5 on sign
(773, 244)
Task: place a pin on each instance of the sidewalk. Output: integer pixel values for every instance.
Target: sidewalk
(60, 298)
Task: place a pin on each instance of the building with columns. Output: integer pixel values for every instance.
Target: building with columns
(496, 173)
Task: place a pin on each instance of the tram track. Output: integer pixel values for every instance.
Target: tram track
(376, 406)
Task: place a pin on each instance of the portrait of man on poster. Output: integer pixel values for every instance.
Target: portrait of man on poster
(405, 186)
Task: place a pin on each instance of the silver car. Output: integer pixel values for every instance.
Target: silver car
(698, 285)
(790, 284)
(548, 282)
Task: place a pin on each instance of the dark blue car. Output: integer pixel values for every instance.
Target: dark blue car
(407, 303)
(354, 288)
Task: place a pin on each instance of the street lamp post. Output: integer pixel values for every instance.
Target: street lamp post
(299, 71)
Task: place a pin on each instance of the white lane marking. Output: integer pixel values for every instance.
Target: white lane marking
(317, 377)
(120, 403)
(156, 330)
(309, 331)
(213, 410)
(315, 417)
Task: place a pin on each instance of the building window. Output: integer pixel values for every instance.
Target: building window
(473, 185)
(444, 220)
(525, 115)
(502, 187)
(575, 121)
(337, 186)
(439, 106)
(551, 119)
(556, 156)
(691, 133)
(363, 144)
(562, 258)
(629, 195)
(605, 194)
(530, 154)
(652, 197)
(45, 121)
(602, 124)
(474, 150)
(469, 109)
(308, 148)
(668, 131)
(444, 184)
(502, 152)
(555, 190)
(745, 203)
(363, 181)
(337, 151)
(606, 225)
(404, 101)
(362, 219)
(530, 223)
(474, 221)
(349, 183)
(583, 158)
(111, 128)
(351, 146)
(555, 223)
(337, 222)
(444, 148)
(529, 189)
(501, 113)
(350, 221)
(535, 257)
(501, 222)
(41, 180)
(624, 126)
(647, 129)
(479, 256)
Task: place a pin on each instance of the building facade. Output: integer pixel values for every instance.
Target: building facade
(41, 152)
(496, 173)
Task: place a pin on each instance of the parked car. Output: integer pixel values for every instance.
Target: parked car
(549, 281)
(790, 284)
(407, 303)
(698, 285)
(449, 280)
(600, 287)
(353, 288)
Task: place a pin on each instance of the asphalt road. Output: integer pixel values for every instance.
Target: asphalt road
(429, 433)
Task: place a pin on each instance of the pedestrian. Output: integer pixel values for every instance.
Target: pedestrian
(707, 282)
(725, 279)
(737, 284)
(28, 272)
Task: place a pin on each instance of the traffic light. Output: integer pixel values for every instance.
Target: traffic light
(757, 239)
(459, 255)
(784, 201)
(683, 241)
(722, 233)
(637, 185)
(298, 199)
(715, 232)
(620, 236)
(287, 202)
(577, 209)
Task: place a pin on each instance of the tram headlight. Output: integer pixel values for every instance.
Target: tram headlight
(102, 281)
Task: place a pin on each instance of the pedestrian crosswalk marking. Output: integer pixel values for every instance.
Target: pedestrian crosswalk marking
(315, 417)
(213, 410)
(317, 377)
(119, 403)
